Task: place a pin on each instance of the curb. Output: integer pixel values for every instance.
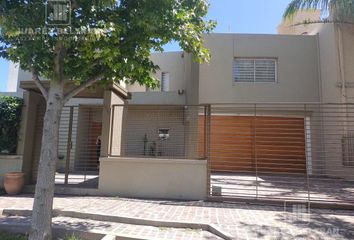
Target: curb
(128, 220)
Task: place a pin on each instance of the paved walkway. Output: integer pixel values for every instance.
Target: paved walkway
(282, 186)
(240, 220)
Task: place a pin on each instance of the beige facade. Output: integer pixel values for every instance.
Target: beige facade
(153, 178)
(313, 65)
(297, 72)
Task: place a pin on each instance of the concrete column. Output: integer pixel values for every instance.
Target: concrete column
(112, 125)
(27, 131)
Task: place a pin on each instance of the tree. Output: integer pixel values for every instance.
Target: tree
(338, 11)
(104, 41)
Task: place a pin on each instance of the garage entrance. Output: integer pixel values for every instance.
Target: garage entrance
(244, 144)
(279, 152)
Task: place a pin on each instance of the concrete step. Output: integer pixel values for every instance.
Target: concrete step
(95, 230)
(99, 226)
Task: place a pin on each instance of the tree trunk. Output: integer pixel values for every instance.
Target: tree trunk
(43, 202)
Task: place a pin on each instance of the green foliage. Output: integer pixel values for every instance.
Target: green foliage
(10, 118)
(8, 236)
(341, 11)
(72, 237)
(109, 38)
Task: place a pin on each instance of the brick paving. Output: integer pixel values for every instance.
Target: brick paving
(240, 220)
(126, 230)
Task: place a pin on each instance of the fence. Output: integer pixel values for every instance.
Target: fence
(282, 152)
(158, 131)
(255, 151)
(288, 151)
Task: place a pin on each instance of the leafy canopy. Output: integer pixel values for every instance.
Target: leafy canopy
(107, 39)
(332, 10)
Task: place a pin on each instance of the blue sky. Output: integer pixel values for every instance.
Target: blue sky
(240, 16)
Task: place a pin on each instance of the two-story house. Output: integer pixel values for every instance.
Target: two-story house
(259, 106)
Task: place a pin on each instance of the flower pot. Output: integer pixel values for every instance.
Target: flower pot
(14, 182)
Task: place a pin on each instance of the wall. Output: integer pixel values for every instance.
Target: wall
(192, 80)
(171, 62)
(29, 139)
(329, 67)
(297, 69)
(112, 136)
(294, 25)
(141, 120)
(153, 178)
(9, 164)
(348, 58)
(336, 61)
(153, 98)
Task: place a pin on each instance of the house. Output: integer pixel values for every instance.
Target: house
(272, 105)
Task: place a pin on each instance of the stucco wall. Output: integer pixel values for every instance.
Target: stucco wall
(329, 68)
(297, 69)
(153, 178)
(9, 164)
(348, 46)
(147, 120)
(171, 62)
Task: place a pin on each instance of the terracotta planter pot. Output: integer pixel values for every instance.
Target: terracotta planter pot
(14, 182)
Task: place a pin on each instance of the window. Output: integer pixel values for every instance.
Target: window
(255, 70)
(165, 82)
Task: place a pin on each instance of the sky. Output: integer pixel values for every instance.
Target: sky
(239, 16)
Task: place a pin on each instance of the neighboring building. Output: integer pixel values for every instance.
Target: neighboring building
(310, 64)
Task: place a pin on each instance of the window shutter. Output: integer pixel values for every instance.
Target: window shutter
(244, 70)
(165, 82)
(265, 70)
(255, 70)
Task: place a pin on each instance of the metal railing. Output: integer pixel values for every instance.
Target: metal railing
(282, 152)
(273, 151)
(171, 132)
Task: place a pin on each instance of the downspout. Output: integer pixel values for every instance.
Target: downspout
(319, 67)
(322, 127)
(339, 43)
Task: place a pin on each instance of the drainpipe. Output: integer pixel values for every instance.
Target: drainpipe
(319, 67)
(339, 43)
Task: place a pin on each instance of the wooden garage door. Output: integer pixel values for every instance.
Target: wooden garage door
(268, 144)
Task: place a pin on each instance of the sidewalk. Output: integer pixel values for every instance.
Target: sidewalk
(240, 220)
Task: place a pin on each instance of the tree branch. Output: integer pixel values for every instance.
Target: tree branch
(39, 84)
(81, 87)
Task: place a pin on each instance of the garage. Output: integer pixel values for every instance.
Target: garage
(264, 144)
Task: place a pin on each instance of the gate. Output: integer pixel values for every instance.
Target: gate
(281, 152)
(79, 145)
